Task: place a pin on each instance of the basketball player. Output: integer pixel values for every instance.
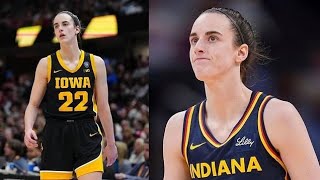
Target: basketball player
(71, 81)
(236, 133)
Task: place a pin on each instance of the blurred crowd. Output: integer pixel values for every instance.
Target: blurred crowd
(18, 13)
(129, 103)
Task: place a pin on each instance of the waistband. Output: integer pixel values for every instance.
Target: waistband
(69, 121)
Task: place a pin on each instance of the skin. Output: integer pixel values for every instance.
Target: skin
(66, 32)
(216, 61)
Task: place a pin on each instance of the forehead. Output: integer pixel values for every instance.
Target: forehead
(62, 17)
(211, 22)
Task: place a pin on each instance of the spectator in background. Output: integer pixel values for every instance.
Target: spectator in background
(137, 155)
(141, 170)
(123, 163)
(128, 138)
(13, 151)
(34, 159)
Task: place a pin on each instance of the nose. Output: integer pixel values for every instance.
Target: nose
(199, 47)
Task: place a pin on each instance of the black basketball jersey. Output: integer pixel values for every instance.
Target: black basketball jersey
(70, 93)
(246, 154)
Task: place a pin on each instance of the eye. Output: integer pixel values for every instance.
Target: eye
(194, 40)
(212, 38)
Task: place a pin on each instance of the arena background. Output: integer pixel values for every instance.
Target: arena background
(126, 56)
(290, 31)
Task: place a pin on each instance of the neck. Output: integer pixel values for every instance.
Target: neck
(70, 52)
(226, 99)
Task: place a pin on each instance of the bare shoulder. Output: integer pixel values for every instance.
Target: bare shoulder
(175, 166)
(281, 120)
(176, 121)
(173, 133)
(281, 112)
(42, 67)
(288, 134)
(98, 60)
(43, 63)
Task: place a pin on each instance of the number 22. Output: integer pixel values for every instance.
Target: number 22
(68, 96)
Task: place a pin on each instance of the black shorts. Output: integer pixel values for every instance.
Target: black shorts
(70, 145)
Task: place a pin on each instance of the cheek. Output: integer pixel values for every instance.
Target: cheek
(190, 54)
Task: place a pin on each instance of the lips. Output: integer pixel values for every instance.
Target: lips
(62, 35)
(201, 59)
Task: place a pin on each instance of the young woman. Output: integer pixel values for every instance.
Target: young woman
(71, 82)
(236, 133)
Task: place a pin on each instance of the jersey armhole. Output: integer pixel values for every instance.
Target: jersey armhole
(272, 151)
(49, 66)
(186, 132)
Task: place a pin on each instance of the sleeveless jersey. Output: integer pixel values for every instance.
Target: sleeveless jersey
(246, 154)
(70, 93)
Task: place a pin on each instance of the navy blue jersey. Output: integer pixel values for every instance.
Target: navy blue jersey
(70, 93)
(246, 154)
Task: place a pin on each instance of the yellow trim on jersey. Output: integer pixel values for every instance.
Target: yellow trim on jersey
(49, 68)
(264, 141)
(93, 65)
(95, 165)
(187, 134)
(66, 67)
(56, 175)
(95, 106)
(235, 131)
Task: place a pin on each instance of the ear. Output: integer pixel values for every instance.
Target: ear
(77, 29)
(243, 52)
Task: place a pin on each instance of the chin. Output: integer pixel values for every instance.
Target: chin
(205, 76)
(201, 77)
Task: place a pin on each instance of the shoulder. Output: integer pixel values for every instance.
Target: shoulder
(98, 60)
(172, 138)
(176, 121)
(42, 67)
(281, 119)
(280, 112)
(43, 62)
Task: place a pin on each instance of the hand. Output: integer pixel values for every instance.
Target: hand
(30, 139)
(110, 152)
(120, 176)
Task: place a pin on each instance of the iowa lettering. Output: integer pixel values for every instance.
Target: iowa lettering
(72, 82)
(244, 141)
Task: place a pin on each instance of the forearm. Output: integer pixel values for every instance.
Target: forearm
(30, 116)
(107, 124)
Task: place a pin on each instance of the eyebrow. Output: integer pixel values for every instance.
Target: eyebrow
(58, 23)
(207, 33)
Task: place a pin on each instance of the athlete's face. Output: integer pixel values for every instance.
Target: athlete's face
(212, 50)
(64, 28)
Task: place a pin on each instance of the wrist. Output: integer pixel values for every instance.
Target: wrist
(26, 129)
(109, 141)
(111, 144)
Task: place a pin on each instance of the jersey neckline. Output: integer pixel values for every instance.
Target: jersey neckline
(207, 133)
(61, 62)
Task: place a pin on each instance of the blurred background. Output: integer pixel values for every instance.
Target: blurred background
(117, 31)
(288, 29)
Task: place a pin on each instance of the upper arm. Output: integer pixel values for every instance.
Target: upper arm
(175, 166)
(40, 83)
(288, 134)
(101, 86)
